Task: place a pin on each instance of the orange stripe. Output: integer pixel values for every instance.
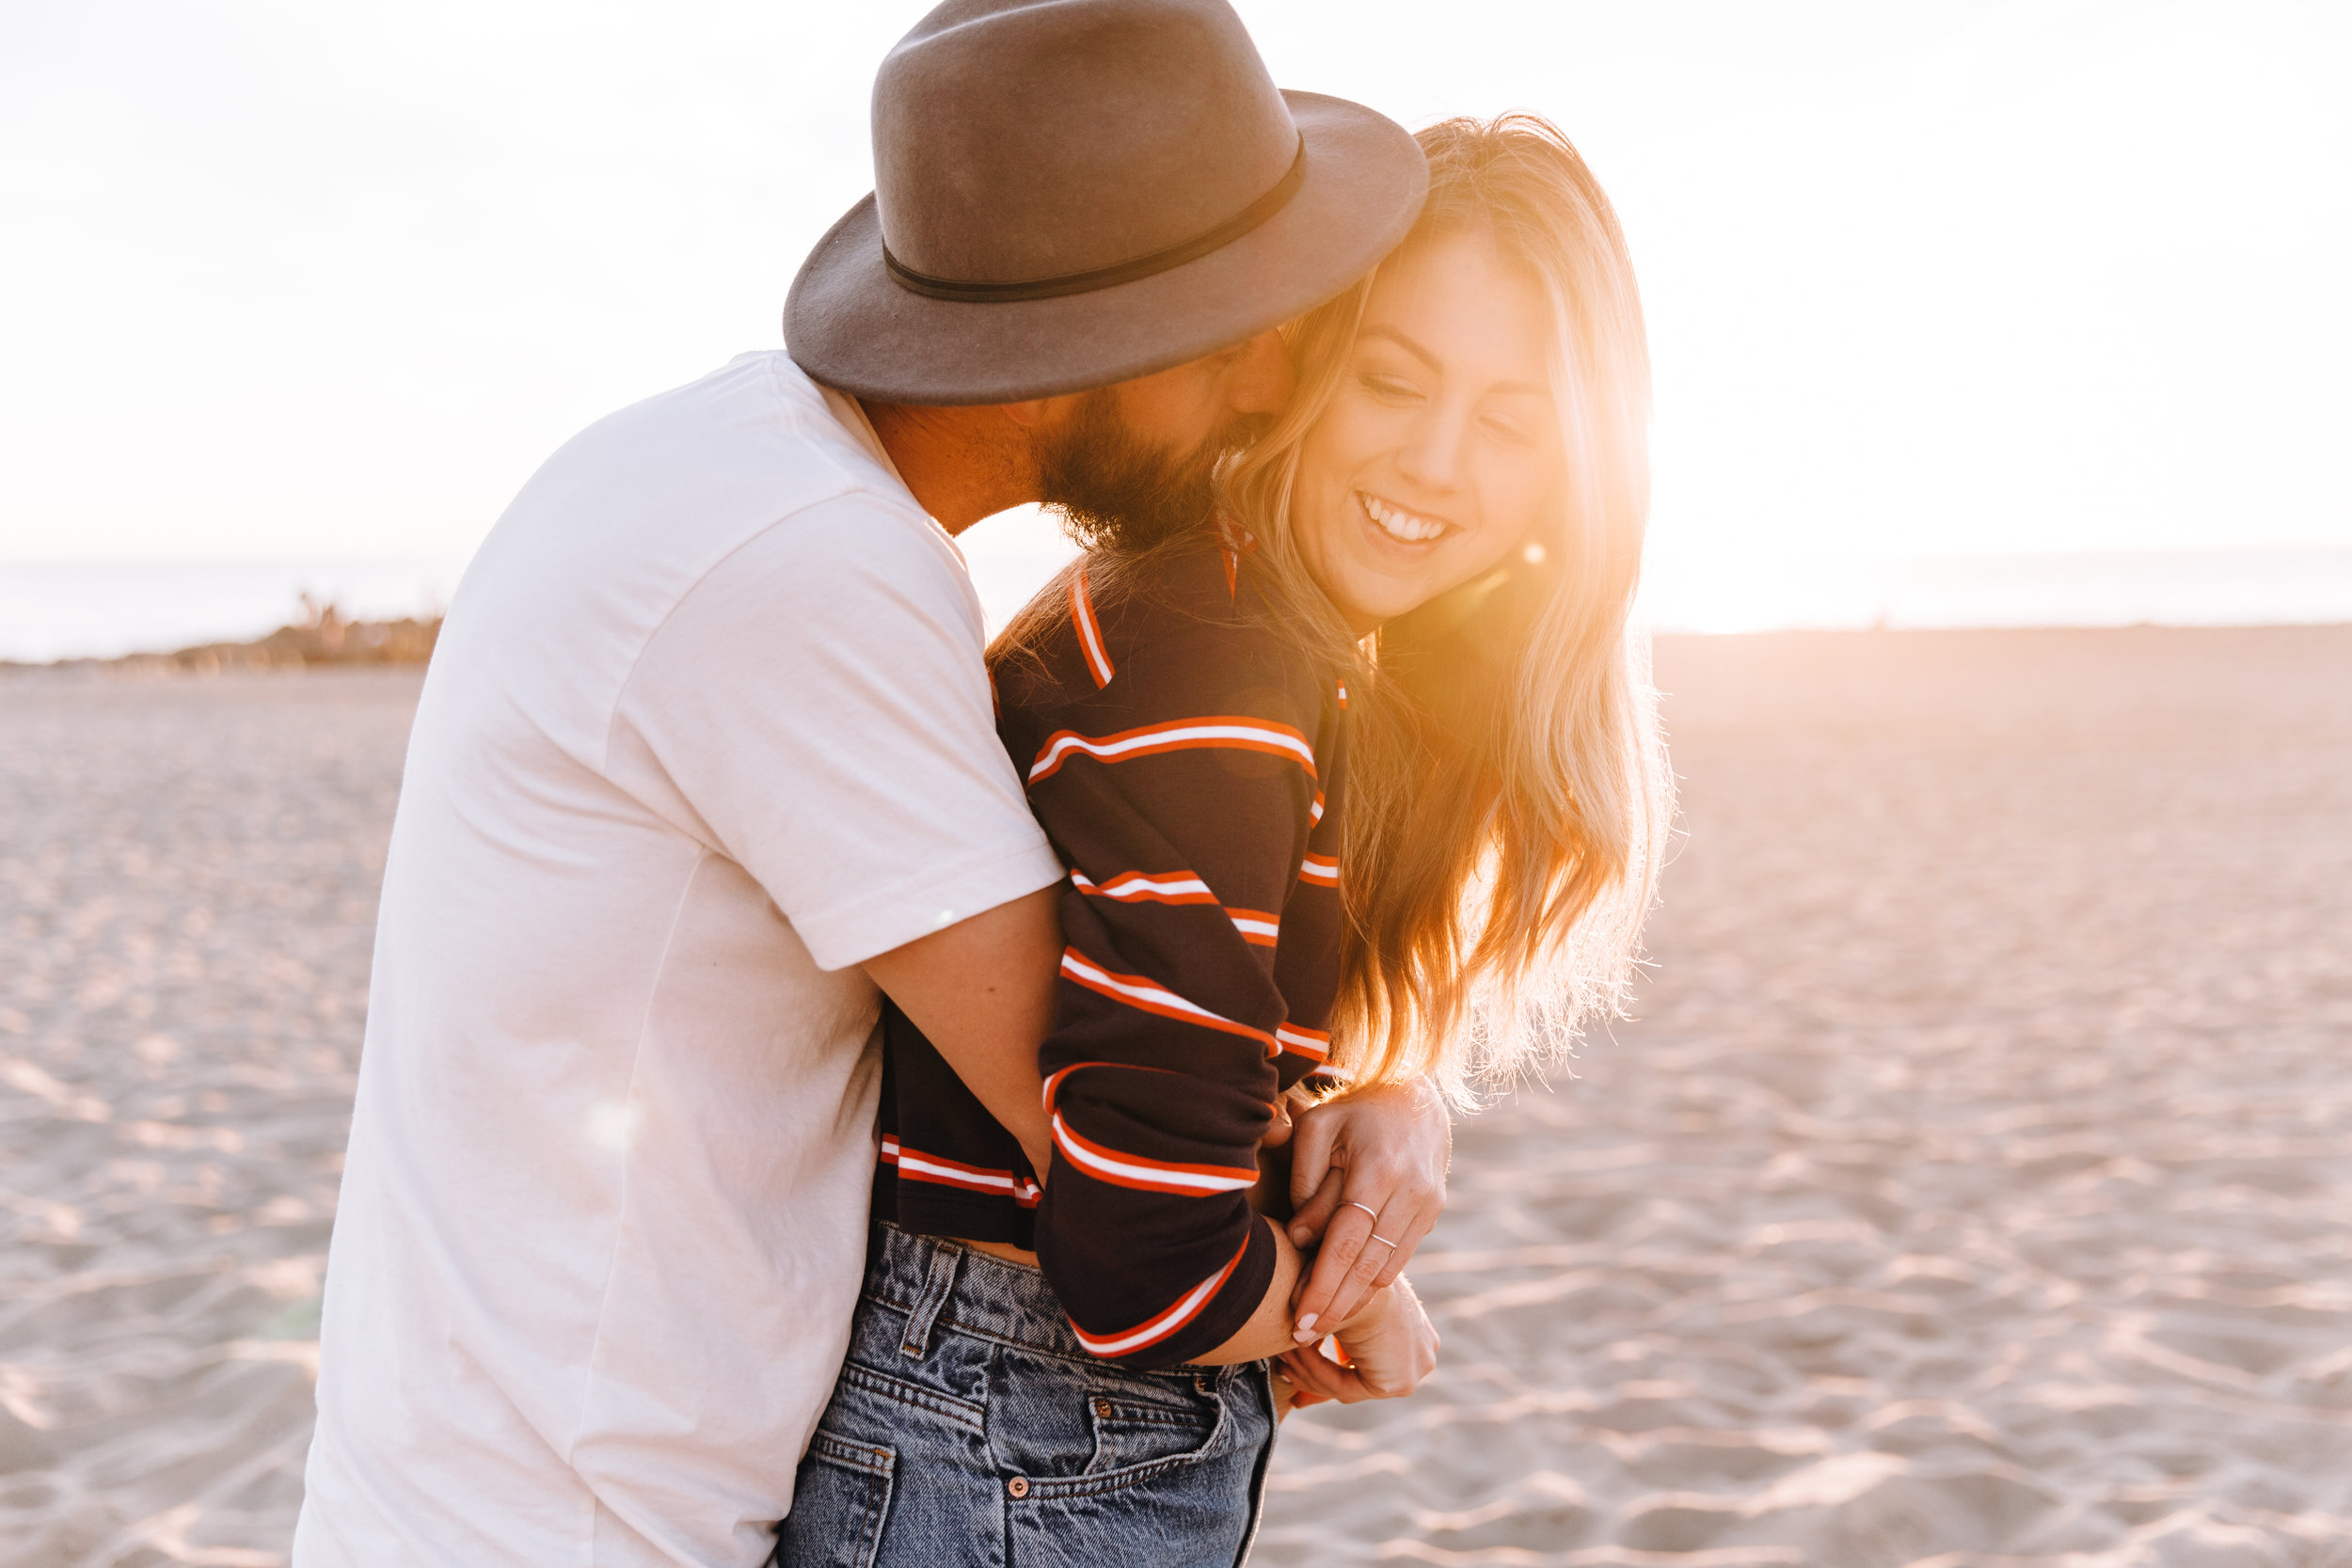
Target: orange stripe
(1054, 1082)
(1151, 887)
(1216, 731)
(1090, 632)
(1257, 927)
(1313, 1044)
(937, 1170)
(1150, 996)
(1218, 1179)
(1321, 870)
(1154, 1329)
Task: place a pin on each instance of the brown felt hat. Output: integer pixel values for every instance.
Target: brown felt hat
(1071, 192)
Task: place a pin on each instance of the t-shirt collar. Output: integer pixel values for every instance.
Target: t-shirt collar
(852, 415)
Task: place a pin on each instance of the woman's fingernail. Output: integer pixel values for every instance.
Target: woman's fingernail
(1305, 1329)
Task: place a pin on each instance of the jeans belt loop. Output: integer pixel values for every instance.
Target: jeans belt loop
(936, 1289)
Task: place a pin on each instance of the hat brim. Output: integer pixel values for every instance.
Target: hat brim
(850, 326)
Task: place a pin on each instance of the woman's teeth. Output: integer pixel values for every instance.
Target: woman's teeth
(1397, 523)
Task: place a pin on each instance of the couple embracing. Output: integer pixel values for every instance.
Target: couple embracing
(838, 1089)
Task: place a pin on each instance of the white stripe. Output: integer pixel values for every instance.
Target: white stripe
(962, 1178)
(1097, 660)
(1314, 871)
(1137, 887)
(1113, 749)
(1258, 928)
(1306, 1045)
(1173, 1319)
(1080, 1155)
(1140, 993)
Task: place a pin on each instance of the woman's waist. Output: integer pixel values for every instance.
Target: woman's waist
(929, 1284)
(1005, 1250)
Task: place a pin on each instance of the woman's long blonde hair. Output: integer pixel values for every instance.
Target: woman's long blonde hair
(1506, 794)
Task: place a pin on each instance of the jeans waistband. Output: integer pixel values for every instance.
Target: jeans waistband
(945, 1283)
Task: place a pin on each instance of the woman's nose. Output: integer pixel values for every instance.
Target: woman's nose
(1432, 452)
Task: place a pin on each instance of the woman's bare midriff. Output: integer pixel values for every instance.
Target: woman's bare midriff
(1005, 1250)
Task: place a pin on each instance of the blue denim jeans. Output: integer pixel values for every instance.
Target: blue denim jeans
(969, 1427)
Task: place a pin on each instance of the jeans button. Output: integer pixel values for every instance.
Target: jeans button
(1102, 1407)
(1018, 1486)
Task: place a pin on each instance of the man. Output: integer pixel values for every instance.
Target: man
(706, 757)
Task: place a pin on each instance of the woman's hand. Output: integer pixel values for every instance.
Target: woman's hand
(1368, 1178)
(1389, 1346)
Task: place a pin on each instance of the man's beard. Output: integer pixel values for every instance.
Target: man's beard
(1116, 491)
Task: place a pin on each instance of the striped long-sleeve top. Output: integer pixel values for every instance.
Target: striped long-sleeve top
(1184, 758)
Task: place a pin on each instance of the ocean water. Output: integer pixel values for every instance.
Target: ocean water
(68, 610)
(53, 610)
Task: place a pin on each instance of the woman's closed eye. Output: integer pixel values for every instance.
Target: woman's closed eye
(1388, 388)
(1507, 430)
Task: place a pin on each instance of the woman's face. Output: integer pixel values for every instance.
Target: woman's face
(1440, 446)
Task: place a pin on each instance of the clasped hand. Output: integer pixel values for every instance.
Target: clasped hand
(1367, 1181)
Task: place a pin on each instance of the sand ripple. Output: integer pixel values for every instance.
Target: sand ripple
(1975, 1186)
(187, 884)
(1973, 1191)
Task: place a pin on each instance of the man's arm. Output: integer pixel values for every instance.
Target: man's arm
(982, 993)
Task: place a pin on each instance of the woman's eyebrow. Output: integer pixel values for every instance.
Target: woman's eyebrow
(1393, 335)
(1437, 365)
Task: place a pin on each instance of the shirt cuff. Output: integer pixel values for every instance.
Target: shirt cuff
(1227, 1313)
(929, 899)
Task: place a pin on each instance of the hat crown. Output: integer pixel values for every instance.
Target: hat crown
(1018, 140)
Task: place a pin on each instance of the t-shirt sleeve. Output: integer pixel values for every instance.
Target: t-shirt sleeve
(1183, 797)
(817, 708)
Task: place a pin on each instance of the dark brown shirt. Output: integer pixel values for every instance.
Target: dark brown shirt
(1184, 758)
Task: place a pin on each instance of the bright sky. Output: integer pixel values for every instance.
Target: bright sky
(287, 279)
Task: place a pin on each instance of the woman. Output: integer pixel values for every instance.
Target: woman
(1358, 785)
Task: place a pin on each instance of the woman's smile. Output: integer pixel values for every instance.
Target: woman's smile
(1395, 523)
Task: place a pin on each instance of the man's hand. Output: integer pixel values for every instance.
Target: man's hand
(1368, 1177)
(982, 993)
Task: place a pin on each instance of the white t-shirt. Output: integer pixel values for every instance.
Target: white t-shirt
(707, 727)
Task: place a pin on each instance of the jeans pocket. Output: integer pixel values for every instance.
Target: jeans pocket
(840, 1500)
(1143, 1427)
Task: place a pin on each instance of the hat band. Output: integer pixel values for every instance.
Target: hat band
(1103, 277)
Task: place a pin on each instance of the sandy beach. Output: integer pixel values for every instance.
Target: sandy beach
(1975, 1186)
